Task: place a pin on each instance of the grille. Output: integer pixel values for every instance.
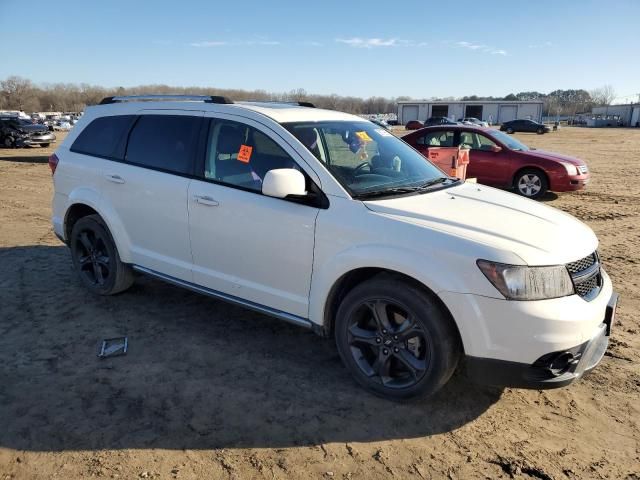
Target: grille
(586, 286)
(582, 264)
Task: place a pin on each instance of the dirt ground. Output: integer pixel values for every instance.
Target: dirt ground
(209, 390)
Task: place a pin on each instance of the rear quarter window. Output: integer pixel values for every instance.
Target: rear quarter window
(104, 137)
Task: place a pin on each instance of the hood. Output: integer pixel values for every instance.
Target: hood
(554, 156)
(32, 128)
(538, 234)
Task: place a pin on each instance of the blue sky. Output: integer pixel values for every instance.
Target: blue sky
(418, 48)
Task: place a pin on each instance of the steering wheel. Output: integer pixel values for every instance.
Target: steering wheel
(361, 167)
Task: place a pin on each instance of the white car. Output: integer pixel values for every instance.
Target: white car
(62, 125)
(330, 222)
(474, 122)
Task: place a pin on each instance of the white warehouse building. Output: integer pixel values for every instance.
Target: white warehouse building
(494, 111)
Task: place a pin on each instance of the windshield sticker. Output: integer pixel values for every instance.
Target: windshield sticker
(382, 132)
(244, 155)
(364, 136)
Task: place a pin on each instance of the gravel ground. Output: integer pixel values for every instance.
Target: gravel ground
(209, 390)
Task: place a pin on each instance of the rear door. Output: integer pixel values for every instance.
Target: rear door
(148, 189)
(244, 243)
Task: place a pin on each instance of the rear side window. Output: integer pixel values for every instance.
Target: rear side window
(104, 137)
(164, 142)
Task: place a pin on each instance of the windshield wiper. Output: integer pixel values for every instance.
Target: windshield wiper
(401, 190)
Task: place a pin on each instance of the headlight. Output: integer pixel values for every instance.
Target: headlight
(518, 282)
(571, 169)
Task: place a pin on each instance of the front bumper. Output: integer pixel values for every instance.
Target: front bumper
(552, 370)
(570, 183)
(36, 140)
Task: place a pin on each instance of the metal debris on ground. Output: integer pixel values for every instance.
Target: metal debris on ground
(113, 347)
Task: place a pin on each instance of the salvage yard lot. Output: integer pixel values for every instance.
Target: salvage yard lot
(209, 390)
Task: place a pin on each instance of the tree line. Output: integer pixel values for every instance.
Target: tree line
(18, 93)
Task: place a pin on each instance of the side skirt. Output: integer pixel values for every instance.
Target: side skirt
(287, 317)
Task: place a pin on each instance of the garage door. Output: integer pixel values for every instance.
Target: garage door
(507, 113)
(409, 112)
(635, 117)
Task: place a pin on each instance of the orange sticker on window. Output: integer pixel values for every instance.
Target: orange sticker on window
(364, 136)
(244, 155)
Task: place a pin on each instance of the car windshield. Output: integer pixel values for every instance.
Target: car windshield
(367, 159)
(509, 141)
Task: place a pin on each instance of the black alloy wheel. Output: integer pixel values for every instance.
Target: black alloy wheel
(387, 344)
(395, 338)
(95, 257)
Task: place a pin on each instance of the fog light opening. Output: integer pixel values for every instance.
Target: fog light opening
(562, 363)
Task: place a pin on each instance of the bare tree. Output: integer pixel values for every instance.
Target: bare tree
(604, 95)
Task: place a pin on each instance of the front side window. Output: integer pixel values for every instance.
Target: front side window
(164, 142)
(510, 141)
(241, 156)
(476, 141)
(368, 160)
(104, 137)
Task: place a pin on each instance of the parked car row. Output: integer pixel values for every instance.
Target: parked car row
(512, 126)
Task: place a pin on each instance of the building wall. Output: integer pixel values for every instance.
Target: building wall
(490, 111)
(623, 111)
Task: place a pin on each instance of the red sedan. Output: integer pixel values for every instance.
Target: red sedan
(500, 160)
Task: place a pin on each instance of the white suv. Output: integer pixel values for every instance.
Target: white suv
(330, 222)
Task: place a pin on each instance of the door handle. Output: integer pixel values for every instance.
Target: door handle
(205, 200)
(114, 178)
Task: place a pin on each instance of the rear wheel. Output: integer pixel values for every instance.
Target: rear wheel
(531, 183)
(95, 258)
(395, 339)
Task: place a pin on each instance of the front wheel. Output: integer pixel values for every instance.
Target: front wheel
(509, 130)
(531, 183)
(395, 339)
(540, 131)
(9, 142)
(95, 257)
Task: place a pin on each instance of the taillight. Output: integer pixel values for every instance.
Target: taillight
(53, 163)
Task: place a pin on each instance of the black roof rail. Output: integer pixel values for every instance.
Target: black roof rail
(180, 98)
(276, 102)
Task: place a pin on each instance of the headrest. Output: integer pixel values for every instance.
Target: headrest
(229, 140)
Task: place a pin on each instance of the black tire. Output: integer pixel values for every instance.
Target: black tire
(531, 183)
(45, 145)
(540, 131)
(95, 258)
(415, 353)
(9, 142)
(509, 130)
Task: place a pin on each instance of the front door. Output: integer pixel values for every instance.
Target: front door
(244, 243)
(485, 164)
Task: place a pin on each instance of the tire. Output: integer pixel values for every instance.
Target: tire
(9, 142)
(410, 348)
(531, 183)
(540, 131)
(45, 145)
(509, 130)
(95, 258)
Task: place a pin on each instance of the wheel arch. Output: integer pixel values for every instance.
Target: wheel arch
(80, 207)
(530, 167)
(349, 280)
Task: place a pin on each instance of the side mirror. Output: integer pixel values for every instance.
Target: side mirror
(281, 182)
(496, 148)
